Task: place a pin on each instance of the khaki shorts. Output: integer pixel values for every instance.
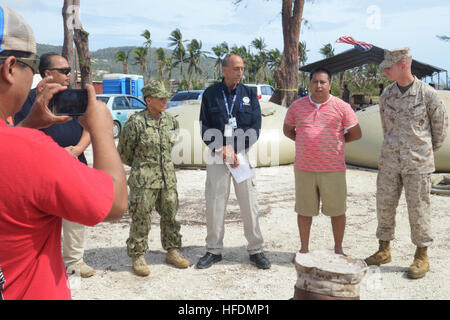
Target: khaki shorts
(313, 187)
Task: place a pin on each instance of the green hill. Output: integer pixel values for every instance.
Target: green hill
(103, 61)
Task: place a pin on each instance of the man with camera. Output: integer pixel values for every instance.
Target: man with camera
(40, 183)
(71, 136)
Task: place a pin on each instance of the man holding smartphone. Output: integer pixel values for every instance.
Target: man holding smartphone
(40, 183)
(71, 136)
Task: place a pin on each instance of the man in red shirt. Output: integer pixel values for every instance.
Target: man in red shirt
(40, 183)
(320, 125)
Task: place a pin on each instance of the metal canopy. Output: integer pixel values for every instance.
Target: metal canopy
(354, 58)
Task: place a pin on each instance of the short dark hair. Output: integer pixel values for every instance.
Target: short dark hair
(46, 62)
(320, 70)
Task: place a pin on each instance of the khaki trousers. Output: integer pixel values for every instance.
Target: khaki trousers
(73, 242)
(417, 194)
(217, 191)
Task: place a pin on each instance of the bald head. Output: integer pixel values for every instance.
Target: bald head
(233, 69)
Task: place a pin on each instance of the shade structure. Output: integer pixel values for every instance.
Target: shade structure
(354, 58)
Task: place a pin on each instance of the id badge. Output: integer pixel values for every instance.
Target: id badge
(232, 122)
(228, 131)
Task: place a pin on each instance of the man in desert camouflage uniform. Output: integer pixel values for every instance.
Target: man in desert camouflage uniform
(415, 125)
(145, 145)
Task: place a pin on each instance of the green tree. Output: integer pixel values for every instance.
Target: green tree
(195, 54)
(169, 66)
(274, 59)
(302, 58)
(140, 56)
(327, 50)
(147, 44)
(302, 53)
(260, 59)
(176, 41)
(220, 51)
(122, 56)
(162, 61)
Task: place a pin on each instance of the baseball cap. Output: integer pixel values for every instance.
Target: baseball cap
(394, 56)
(155, 89)
(15, 32)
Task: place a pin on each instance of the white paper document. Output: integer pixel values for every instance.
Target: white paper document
(241, 172)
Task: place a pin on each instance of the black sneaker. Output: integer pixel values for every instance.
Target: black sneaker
(260, 260)
(207, 260)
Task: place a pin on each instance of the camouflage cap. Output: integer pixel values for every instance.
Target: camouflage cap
(15, 32)
(394, 56)
(155, 89)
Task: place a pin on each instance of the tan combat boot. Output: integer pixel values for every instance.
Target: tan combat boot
(140, 266)
(382, 256)
(420, 265)
(175, 258)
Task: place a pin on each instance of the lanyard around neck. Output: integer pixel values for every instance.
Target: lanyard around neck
(226, 103)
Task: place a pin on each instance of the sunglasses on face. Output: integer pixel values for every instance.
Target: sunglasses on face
(65, 71)
(28, 62)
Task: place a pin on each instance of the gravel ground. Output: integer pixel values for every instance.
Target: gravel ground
(234, 278)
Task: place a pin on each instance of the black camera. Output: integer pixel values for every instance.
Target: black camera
(70, 102)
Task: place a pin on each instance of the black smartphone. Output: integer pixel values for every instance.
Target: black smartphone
(70, 102)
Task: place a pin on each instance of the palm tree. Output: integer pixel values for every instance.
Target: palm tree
(122, 56)
(161, 58)
(274, 59)
(147, 44)
(195, 54)
(140, 55)
(327, 50)
(169, 66)
(219, 50)
(302, 57)
(261, 46)
(176, 40)
(302, 53)
(225, 47)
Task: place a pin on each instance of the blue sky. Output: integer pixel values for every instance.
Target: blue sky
(386, 23)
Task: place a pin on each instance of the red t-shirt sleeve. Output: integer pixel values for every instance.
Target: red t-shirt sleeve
(68, 188)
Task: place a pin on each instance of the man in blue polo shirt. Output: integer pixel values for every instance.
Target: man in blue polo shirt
(71, 136)
(231, 109)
